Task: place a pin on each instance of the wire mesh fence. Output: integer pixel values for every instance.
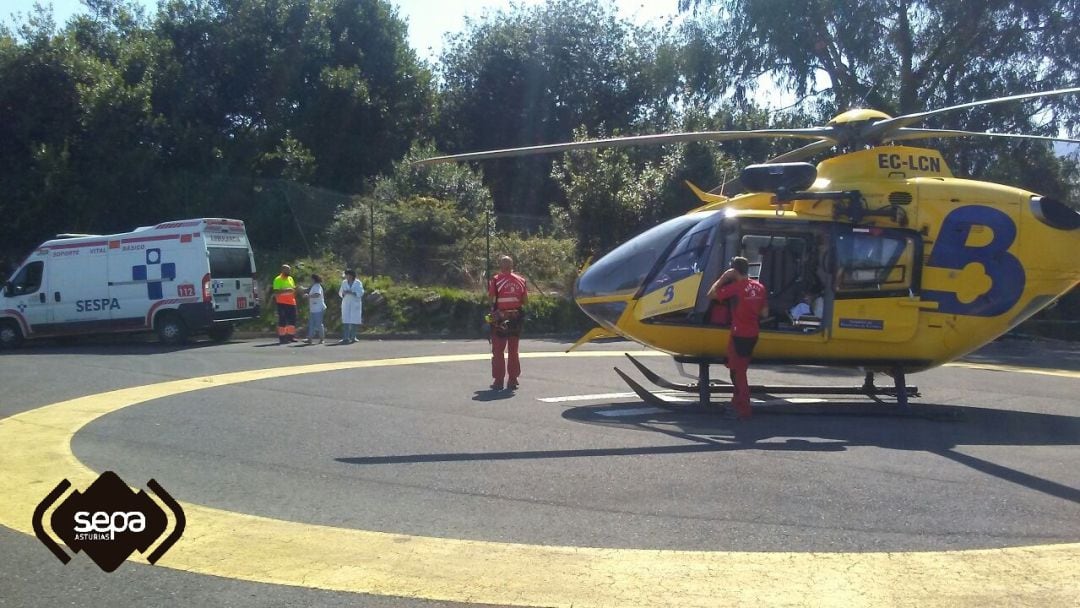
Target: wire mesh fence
(404, 241)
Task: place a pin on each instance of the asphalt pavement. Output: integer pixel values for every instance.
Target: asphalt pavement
(571, 459)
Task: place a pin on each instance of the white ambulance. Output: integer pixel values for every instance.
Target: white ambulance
(178, 279)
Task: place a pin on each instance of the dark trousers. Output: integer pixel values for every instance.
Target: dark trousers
(286, 322)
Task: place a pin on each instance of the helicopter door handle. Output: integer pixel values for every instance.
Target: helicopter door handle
(920, 304)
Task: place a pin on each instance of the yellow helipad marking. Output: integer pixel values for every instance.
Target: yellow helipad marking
(36, 454)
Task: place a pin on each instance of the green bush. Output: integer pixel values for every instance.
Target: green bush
(546, 261)
(423, 217)
(410, 310)
(426, 233)
(452, 182)
(455, 312)
(419, 240)
(349, 235)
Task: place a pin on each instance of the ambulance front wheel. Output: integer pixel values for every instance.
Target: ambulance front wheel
(220, 332)
(10, 334)
(170, 328)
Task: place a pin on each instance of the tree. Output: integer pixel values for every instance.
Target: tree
(614, 193)
(531, 75)
(333, 79)
(904, 56)
(445, 182)
(421, 215)
(899, 56)
(117, 120)
(78, 146)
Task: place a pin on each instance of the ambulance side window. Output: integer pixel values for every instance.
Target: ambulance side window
(28, 279)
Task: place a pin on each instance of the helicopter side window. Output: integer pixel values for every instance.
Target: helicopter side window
(624, 269)
(687, 258)
(870, 261)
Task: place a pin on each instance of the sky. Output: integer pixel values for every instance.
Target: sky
(429, 20)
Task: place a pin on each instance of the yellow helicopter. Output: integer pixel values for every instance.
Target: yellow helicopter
(900, 266)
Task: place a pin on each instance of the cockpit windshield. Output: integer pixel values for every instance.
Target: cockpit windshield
(624, 269)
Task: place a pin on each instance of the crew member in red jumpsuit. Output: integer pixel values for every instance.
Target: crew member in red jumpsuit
(508, 295)
(750, 304)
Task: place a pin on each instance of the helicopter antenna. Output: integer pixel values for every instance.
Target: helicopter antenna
(862, 102)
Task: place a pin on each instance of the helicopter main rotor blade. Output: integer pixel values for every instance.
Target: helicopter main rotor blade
(912, 133)
(804, 152)
(877, 131)
(635, 140)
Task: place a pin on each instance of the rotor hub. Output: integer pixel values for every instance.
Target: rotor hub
(858, 116)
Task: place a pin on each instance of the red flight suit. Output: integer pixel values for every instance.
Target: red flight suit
(749, 297)
(510, 292)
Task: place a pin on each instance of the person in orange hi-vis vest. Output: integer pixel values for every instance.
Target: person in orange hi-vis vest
(508, 295)
(284, 294)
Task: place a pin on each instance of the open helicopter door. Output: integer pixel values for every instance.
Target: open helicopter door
(788, 258)
(876, 275)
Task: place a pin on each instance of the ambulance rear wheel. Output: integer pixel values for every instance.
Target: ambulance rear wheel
(10, 334)
(171, 329)
(221, 332)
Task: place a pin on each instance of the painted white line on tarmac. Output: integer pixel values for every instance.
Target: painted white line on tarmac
(634, 411)
(596, 397)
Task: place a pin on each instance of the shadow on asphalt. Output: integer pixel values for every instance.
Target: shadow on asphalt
(492, 395)
(109, 345)
(710, 432)
(1045, 354)
(812, 370)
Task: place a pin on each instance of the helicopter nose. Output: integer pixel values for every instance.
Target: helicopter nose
(598, 295)
(606, 314)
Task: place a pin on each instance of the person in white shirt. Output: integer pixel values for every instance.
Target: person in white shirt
(352, 293)
(803, 307)
(316, 309)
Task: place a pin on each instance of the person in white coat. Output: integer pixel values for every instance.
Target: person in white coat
(352, 306)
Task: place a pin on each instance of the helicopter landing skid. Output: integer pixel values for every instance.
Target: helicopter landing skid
(704, 387)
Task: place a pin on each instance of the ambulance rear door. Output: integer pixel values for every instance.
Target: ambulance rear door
(232, 271)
